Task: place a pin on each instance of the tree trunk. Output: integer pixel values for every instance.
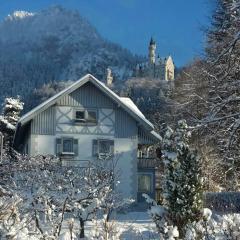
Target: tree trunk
(82, 235)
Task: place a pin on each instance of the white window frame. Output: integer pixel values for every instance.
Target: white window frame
(85, 120)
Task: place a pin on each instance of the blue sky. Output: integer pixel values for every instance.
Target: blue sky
(174, 24)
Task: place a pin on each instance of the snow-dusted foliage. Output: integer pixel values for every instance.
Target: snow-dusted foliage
(224, 227)
(162, 219)
(222, 73)
(182, 183)
(12, 108)
(182, 190)
(11, 223)
(207, 95)
(106, 228)
(48, 194)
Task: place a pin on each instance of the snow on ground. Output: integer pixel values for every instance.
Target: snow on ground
(130, 226)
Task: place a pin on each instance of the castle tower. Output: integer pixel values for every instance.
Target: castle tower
(109, 77)
(151, 51)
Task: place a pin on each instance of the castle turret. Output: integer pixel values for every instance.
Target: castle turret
(151, 51)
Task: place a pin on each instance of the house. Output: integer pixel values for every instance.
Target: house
(88, 120)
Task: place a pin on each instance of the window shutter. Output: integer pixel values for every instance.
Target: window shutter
(95, 148)
(111, 147)
(58, 146)
(75, 146)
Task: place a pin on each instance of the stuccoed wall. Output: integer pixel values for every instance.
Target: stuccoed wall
(125, 151)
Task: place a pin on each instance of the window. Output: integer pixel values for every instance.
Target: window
(92, 116)
(103, 147)
(145, 183)
(86, 116)
(66, 145)
(80, 116)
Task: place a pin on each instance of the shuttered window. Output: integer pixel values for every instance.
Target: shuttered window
(66, 146)
(103, 147)
(75, 146)
(58, 146)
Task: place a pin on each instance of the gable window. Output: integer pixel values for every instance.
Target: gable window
(80, 115)
(66, 146)
(103, 148)
(86, 116)
(92, 116)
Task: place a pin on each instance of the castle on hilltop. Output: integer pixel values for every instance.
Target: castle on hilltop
(156, 67)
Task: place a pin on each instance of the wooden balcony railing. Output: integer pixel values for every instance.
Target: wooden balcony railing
(148, 163)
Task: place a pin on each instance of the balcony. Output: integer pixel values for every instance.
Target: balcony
(148, 163)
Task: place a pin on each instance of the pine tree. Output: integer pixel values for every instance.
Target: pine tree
(182, 190)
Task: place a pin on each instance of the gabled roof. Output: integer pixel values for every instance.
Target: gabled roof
(125, 103)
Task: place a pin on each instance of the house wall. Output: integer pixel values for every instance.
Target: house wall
(125, 150)
(113, 124)
(45, 122)
(87, 96)
(65, 122)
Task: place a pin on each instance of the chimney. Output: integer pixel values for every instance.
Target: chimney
(109, 77)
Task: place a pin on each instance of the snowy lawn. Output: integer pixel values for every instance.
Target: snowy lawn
(130, 226)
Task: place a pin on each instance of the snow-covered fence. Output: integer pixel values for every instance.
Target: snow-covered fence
(227, 202)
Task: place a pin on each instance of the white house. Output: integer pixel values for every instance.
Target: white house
(87, 120)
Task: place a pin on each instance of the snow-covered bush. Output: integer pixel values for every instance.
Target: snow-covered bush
(162, 219)
(50, 193)
(11, 223)
(224, 227)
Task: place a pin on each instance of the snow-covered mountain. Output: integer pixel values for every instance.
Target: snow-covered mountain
(53, 45)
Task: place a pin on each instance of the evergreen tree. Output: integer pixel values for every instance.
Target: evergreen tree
(9, 118)
(182, 190)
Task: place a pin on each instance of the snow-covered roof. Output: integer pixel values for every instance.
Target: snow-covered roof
(131, 105)
(126, 103)
(156, 135)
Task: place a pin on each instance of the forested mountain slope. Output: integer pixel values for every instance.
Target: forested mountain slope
(54, 45)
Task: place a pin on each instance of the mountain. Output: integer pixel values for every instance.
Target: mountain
(53, 45)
